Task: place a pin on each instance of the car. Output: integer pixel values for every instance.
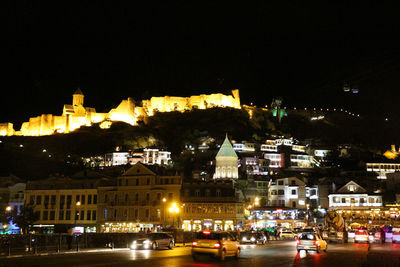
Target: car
(396, 235)
(153, 241)
(351, 234)
(361, 235)
(252, 238)
(311, 241)
(215, 244)
(287, 234)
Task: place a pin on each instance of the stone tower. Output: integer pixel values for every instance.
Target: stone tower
(77, 98)
(226, 166)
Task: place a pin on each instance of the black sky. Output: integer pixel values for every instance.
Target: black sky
(302, 52)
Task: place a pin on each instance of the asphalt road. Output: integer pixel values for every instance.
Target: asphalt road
(277, 253)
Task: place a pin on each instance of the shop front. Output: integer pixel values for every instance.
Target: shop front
(128, 227)
(215, 225)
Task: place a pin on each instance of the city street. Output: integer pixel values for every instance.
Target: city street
(277, 253)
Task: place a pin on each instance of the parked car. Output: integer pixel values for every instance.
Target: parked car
(252, 238)
(311, 241)
(216, 244)
(396, 235)
(361, 235)
(153, 241)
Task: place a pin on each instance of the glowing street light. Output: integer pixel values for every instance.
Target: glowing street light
(8, 209)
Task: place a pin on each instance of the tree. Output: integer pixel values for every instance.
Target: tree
(24, 217)
(242, 186)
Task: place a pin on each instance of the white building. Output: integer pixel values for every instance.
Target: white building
(244, 147)
(155, 156)
(353, 195)
(302, 161)
(226, 166)
(116, 158)
(291, 192)
(275, 160)
(383, 168)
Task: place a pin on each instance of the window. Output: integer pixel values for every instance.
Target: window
(166, 181)
(137, 197)
(280, 182)
(148, 181)
(89, 199)
(116, 198)
(32, 200)
(68, 215)
(126, 198)
(137, 181)
(218, 193)
(126, 182)
(52, 215)
(313, 192)
(158, 196)
(147, 213)
(82, 217)
(136, 214)
(147, 196)
(69, 200)
(293, 182)
(281, 192)
(94, 199)
(83, 199)
(105, 213)
(62, 201)
(208, 193)
(45, 215)
(343, 200)
(38, 200)
(293, 192)
(88, 215)
(76, 214)
(106, 198)
(294, 204)
(61, 215)
(93, 215)
(197, 193)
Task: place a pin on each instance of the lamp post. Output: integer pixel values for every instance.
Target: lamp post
(308, 214)
(255, 204)
(76, 211)
(174, 209)
(164, 200)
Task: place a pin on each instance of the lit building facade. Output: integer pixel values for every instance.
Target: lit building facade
(226, 166)
(210, 205)
(155, 156)
(136, 203)
(292, 192)
(76, 115)
(63, 202)
(383, 168)
(352, 196)
(116, 159)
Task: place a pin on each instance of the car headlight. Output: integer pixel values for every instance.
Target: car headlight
(133, 246)
(244, 239)
(252, 239)
(146, 242)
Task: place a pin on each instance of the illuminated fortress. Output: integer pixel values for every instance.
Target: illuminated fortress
(76, 115)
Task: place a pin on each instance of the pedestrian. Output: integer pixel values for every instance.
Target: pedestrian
(276, 234)
(267, 235)
(70, 234)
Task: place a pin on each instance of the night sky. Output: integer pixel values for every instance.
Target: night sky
(300, 52)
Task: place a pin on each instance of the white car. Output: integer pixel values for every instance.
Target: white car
(311, 241)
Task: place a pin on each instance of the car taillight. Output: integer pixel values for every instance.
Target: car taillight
(298, 242)
(217, 245)
(316, 242)
(194, 244)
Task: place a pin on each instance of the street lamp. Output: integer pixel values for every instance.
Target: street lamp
(76, 211)
(255, 204)
(174, 209)
(8, 209)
